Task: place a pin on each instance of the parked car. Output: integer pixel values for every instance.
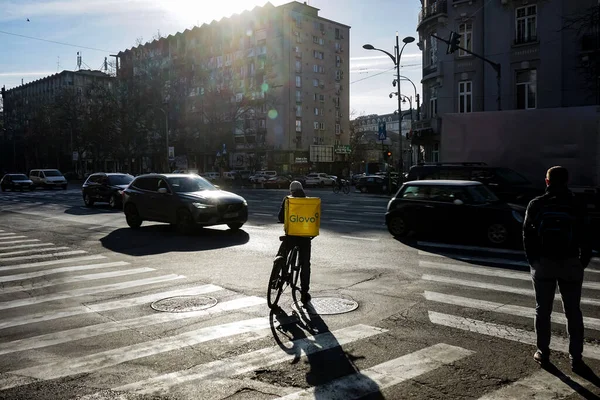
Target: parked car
(185, 201)
(279, 182)
(16, 182)
(262, 176)
(354, 179)
(105, 187)
(211, 176)
(48, 178)
(319, 179)
(454, 207)
(301, 179)
(375, 184)
(507, 184)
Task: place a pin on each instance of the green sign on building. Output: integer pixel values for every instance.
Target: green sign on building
(343, 149)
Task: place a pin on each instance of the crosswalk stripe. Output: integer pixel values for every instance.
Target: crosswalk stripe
(489, 260)
(386, 374)
(70, 335)
(518, 311)
(94, 362)
(7, 234)
(74, 279)
(20, 241)
(495, 272)
(248, 362)
(539, 385)
(13, 253)
(496, 287)
(24, 246)
(12, 237)
(51, 262)
(38, 256)
(87, 291)
(557, 343)
(470, 248)
(106, 306)
(37, 274)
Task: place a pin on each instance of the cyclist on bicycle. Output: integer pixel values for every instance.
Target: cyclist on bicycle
(296, 190)
(340, 182)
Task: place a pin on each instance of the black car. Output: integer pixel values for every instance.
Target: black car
(16, 182)
(279, 182)
(507, 184)
(105, 187)
(459, 208)
(375, 184)
(184, 200)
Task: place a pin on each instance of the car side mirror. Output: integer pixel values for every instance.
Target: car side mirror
(458, 202)
(163, 191)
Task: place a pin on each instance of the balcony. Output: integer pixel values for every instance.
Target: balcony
(437, 8)
(525, 40)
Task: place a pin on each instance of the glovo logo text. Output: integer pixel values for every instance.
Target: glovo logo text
(302, 218)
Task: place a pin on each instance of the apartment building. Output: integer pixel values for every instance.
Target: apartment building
(286, 70)
(543, 62)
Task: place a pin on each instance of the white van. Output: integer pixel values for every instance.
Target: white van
(47, 178)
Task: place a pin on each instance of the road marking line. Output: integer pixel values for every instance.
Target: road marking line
(87, 291)
(475, 248)
(85, 332)
(372, 213)
(487, 271)
(539, 385)
(499, 288)
(12, 237)
(345, 221)
(557, 343)
(382, 207)
(109, 358)
(106, 306)
(518, 311)
(360, 238)
(75, 279)
(98, 227)
(38, 256)
(29, 275)
(51, 262)
(20, 241)
(23, 246)
(254, 227)
(241, 364)
(386, 374)
(2, 255)
(263, 215)
(489, 260)
(7, 234)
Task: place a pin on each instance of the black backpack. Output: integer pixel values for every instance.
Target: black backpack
(556, 228)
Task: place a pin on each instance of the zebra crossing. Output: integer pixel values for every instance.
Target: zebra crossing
(52, 297)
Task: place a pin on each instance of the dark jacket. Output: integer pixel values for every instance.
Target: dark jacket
(564, 197)
(281, 216)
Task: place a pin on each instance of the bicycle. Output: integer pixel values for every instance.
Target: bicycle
(284, 275)
(345, 188)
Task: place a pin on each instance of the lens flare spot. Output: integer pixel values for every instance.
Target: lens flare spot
(273, 113)
(264, 87)
(249, 32)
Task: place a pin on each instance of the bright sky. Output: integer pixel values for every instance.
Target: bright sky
(98, 28)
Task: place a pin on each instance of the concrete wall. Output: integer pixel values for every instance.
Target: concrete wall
(528, 141)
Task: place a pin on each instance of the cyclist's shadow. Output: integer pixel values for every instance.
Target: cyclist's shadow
(326, 366)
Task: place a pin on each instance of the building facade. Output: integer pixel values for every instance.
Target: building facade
(542, 58)
(269, 86)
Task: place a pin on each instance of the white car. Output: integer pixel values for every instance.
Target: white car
(48, 178)
(211, 176)
(319, 179)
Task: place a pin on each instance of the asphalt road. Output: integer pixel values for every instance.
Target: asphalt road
(435, 320)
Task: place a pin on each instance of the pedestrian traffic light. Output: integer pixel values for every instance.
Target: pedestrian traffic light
(453, 42)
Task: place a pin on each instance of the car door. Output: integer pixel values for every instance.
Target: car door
(90, 186)
(104, 190)
(416, 209)
(162, 203)
(142, 197)
(449, 209)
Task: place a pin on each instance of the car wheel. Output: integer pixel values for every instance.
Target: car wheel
(235, 226)
(185, 223)
(3, 188)
(132, 217)
(397, 226)
(113, 202)
(88, 200)
(363, 189)
(497, 234)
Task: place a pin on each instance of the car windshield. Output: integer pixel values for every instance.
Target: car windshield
(512, 177)
(120, 179)
(481, 194)
(52, 173)
(186, 184)
(19, 177)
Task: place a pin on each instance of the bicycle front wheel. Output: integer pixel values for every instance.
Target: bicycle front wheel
(276, 282)
(336, 188)
(346, 189)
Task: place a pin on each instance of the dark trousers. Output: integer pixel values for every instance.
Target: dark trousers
(304, 244)
(568, 274)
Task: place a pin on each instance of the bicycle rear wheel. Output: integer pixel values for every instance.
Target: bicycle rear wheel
(277, 281)
(294, 267)
(336, 188)
(346, 189)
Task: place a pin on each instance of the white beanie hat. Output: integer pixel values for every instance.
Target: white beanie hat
(295, 185)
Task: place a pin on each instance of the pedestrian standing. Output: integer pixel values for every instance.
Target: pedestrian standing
(557, 245)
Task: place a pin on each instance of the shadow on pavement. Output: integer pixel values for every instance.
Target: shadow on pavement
(582, 391)
(162, 238)
(95, 209)
(325, 366)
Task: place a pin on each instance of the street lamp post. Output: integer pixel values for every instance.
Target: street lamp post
(396, 58)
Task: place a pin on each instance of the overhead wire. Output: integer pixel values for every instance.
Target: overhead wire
(55, 42)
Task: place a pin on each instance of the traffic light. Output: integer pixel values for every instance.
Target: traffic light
(387, 155)
(453, 42)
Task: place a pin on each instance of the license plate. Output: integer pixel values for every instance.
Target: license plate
(230, 215)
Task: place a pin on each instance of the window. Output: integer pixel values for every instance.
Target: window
(316, 125)
(526, 24)
(315, 82)
(433, 105)
(298, 111)
(465, 97)
(262, 123)
(338, 75)
(526, 89)
(318, 40)
(318, 111)
(298, 96)
(430, 51)
(321, 126)
(466, 30)
(298, 125)
(319, 55)
(322, 98)
(338, 129)
(298, 66)
(298, 81)
(337, 33)
(435, 152)
(338, 61)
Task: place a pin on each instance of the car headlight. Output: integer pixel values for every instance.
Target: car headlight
(203, 205)
(516, 215)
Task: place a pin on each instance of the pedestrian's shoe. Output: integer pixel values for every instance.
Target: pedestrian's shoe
(305, 297)
(541, 358)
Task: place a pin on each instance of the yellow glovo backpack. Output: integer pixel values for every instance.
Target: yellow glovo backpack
(302, 216)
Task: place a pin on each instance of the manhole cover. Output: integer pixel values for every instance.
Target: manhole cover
(184, 303)
(328, 306)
